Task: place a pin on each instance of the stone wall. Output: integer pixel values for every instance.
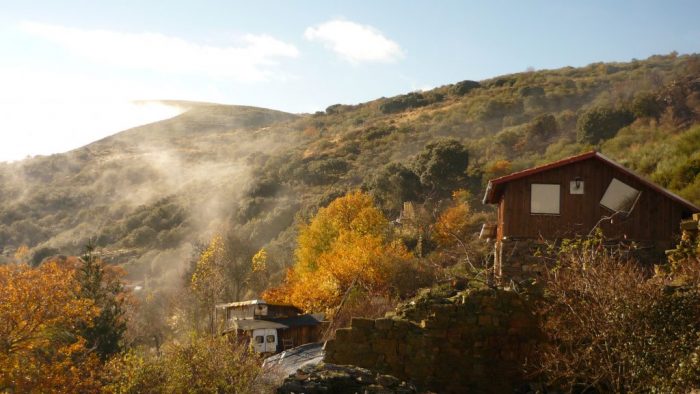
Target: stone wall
(517, 261)
(689, 244)
(470, 341)
(524, 260)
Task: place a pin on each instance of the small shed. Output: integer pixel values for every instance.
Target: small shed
(268, 327)
(571, 197)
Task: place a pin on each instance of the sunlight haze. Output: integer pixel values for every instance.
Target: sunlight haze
(69, 70)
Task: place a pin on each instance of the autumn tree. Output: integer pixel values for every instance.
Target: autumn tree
(41, 313)
(452, 226)
(346, 244)
(207, 280)
(259, 272)
(223, 271)
(454, 233)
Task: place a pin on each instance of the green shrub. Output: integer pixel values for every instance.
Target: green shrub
(408, 101)
(602, 123)
(646, 105)
(527, 91)
(441, 165)
(392, 185)
(543, 126)
(464, 87)
(199, 365)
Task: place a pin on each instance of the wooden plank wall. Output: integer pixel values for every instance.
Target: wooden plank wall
(300, 335)
(655, 217)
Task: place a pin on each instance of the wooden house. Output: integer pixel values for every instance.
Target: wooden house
(572, 197)
(269, 328)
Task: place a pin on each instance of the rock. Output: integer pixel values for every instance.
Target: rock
(333, 378)
(388, 381)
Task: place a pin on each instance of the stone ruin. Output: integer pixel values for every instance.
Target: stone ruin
(463, 341)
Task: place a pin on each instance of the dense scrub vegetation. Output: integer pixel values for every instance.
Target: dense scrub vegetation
(613, 326)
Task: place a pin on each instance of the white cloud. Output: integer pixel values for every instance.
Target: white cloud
(354, 42)
(251, 60)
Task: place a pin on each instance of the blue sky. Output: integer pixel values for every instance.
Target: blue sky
(69, 68)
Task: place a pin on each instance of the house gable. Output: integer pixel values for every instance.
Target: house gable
(655, 215)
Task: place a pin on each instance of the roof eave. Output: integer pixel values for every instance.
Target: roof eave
(488, 195)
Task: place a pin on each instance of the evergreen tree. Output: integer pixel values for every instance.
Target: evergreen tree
(105, 289)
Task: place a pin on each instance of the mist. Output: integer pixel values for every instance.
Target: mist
(33, 127)
(149, 195)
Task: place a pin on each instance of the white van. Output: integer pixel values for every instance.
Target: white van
(264, 340)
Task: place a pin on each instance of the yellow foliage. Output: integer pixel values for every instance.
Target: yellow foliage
(452, 226)
(461, 196)
(207, 280)
(22, 254)
(345, 242)
(40, 309)
(259, 261)
(498, 168)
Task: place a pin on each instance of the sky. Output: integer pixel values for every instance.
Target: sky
(70, 71)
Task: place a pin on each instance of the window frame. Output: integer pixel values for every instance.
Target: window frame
(532, 185)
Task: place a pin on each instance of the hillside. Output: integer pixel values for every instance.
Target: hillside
(149, 195)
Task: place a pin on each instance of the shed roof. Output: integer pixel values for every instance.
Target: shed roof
(238, 304)
(281, 323)
(495, 186)
(241, 303)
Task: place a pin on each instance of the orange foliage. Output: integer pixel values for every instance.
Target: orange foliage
(498, 168)
(452, 226)
(40, 351)
(345, 242)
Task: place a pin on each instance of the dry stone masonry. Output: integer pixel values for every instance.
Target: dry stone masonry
(462, 341)
(516, 260)
(689, 244)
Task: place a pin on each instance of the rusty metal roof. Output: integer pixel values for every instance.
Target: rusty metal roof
(494, 188)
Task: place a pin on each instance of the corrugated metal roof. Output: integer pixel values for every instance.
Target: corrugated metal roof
(241, 303)
(250, 324)
(250, 302)
(494, 186)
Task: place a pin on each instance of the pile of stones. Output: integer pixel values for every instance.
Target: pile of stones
(342, 379)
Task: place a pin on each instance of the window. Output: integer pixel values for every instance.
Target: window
(259, 339)
(270, 339)
(620, 197)
(544, 199)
